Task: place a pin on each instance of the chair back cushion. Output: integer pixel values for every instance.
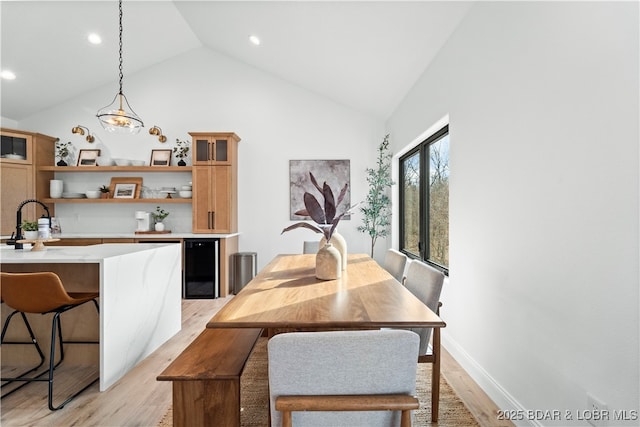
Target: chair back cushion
(310, 247)
(33, 292)
(342, 362)
(395, 262)
(425, 282)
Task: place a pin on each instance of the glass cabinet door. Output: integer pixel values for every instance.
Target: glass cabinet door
(14, 147)
(210, 150)
(201, 151)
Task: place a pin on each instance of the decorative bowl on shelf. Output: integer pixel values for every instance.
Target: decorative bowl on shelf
(185, 194)
(73, 195)
(92, 194)
(104, 161)
(122, 162)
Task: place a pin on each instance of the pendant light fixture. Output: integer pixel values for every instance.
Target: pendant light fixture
(119, 117)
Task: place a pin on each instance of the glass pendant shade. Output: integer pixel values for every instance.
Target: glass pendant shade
(119, 117)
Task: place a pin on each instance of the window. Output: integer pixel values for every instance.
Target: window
(424, 201)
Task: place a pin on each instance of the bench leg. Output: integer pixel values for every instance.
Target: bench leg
(206, 403)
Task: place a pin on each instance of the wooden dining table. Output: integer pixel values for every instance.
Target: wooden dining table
(287, 294)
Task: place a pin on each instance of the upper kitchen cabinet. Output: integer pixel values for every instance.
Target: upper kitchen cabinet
(22, 153)
(218, 148)
(215, 182)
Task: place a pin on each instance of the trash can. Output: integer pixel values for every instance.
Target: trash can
(243, 268)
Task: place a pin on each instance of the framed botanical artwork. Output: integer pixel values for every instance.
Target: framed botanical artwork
(336, 173)
(125, 187)
(160, 158)
(88, 157)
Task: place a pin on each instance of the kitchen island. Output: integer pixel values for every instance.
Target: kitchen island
(140, 296)
(228, 245)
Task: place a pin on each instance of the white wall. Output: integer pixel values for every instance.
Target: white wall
(205, 91)
(8, 123)
(542, 304)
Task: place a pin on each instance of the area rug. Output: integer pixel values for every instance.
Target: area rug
(254, 397)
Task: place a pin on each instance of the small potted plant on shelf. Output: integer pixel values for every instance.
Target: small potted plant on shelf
(180, 150)
(30, 229)
(63, 150)
(158, 216)
(104, 192)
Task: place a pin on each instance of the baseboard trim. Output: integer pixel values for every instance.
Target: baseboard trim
(486, 382)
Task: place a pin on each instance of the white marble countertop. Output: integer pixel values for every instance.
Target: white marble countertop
(72, 254)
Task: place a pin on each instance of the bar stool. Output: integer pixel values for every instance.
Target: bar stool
(32, 341)
(42, 293)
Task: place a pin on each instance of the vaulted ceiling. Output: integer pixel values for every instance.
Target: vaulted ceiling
(363, 54)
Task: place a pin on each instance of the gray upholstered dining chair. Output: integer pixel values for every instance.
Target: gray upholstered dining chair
(395, 262)
(425, 282)
(332, 378)
(310, 247)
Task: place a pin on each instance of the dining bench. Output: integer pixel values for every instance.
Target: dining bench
(206, 377)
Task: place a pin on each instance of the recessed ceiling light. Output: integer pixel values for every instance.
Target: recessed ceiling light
(7, 75)
(94, 38)
(255, 40)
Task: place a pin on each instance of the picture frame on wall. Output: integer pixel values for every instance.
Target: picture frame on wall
(160, 158)
(88, 157)
(125, 187)
(336, 173)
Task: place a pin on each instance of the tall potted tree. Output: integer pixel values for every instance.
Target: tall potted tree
(376, 209)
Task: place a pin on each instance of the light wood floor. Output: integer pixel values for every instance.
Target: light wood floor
(139, 400)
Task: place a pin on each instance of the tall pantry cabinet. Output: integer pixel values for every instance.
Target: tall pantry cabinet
(214, 180)
(21, 154)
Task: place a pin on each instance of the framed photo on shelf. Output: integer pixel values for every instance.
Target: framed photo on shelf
(125, 187)
(88, 157)
(160, 158)
(124, 191)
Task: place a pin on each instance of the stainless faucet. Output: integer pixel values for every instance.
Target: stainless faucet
(18, 235)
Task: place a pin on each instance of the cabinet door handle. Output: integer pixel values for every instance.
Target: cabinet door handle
(209, 219)
(213, 219)
(210, 151)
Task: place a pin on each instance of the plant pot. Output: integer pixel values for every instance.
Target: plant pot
(182, 163)
(159, 226)
(340, 244)
(104, 195)
(328, 263)
(30, 235)
(62, 163)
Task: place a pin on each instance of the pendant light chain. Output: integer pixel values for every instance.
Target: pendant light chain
(119, 116)
(120, 51)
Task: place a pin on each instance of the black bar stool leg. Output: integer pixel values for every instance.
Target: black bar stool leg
(33, 342)
(57, 327)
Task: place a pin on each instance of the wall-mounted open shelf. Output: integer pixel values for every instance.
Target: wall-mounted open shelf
(163, 201)
(115, 168)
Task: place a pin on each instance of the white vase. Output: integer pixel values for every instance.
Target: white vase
(328, 263)
(340, 244)
(159, 226)
(55, 188)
